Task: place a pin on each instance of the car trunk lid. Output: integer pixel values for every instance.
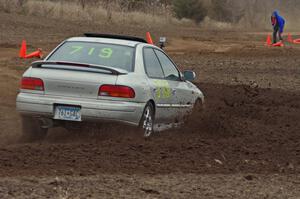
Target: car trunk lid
(74, 80)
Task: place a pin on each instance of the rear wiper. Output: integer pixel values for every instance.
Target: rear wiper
(114, 71)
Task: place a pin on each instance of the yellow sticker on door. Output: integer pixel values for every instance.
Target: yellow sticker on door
(163, 89)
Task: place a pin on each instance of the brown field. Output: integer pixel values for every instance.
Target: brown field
(246, 143)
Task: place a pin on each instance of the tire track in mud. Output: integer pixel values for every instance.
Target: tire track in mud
(243, 129)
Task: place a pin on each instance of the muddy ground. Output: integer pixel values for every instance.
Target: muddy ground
(246, 144)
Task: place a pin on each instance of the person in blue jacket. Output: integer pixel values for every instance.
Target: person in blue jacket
(278, 23)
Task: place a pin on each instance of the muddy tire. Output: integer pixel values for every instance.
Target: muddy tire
(32, 130)
(147, 120)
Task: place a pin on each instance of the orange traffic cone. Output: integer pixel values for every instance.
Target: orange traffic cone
(149, 38)
(37, 54)
(268, 42)
(297, 41)
(278, 44)
(290, 39)
(23, 49)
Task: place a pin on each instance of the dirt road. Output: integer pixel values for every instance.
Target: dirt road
(246, 144)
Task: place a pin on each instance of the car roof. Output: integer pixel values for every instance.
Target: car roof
(106, 41)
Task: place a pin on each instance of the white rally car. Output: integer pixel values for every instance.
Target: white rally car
(102, 78)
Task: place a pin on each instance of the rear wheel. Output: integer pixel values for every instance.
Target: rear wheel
(147, 121)
(32, 129)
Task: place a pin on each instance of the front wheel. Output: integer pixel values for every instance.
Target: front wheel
(198, 107)
(32, 129)
(147, 121)
(195, 112)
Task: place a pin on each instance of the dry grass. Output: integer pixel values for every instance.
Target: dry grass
(73, 11)
(211, 24)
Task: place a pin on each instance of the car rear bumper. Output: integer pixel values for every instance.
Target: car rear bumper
(91, 110)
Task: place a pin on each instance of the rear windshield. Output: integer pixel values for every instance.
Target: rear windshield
(112, 55)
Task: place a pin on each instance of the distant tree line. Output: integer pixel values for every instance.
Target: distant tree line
(250, 12)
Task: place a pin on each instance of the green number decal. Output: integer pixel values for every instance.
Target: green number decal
(163, 89)
(166, 90)
(106, 53)
(91, 51)
(76, 49)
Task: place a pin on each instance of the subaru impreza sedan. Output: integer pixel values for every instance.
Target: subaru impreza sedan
(100, 78)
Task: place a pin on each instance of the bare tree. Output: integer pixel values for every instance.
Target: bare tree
(108, 7)
(21, 3)
(82, 3)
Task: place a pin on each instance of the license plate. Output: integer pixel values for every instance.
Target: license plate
(69, 113)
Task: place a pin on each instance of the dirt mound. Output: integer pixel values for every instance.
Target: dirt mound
(243, 129)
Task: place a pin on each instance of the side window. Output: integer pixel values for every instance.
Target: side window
(152, 65)
(170, 71)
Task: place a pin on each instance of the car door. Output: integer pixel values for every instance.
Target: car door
(182, 96)
(159, 86)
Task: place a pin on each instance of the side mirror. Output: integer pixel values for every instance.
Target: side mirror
(162, 42)
(189, 75)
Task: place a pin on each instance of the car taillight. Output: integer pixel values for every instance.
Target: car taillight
(29, 83)
(116, 91)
